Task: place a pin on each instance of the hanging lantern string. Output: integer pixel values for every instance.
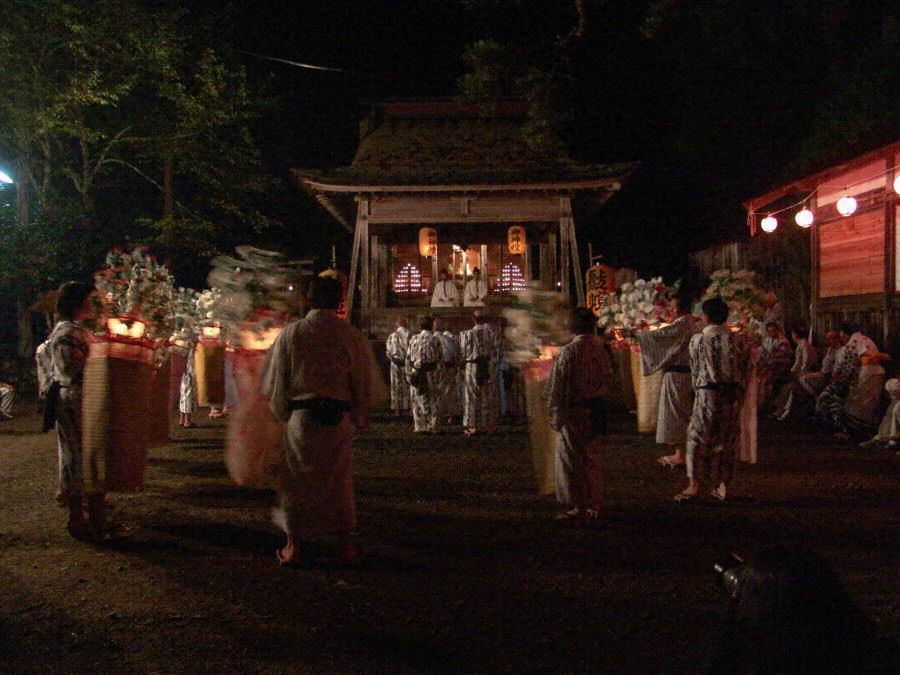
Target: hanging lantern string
(824, 186)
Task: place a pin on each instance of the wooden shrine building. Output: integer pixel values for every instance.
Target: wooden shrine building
(464, 179)
(853, 217)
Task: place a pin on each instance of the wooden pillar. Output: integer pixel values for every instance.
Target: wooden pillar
(564, 249)
(814, 273)
(576, 264)
(376, 273)
(384, 274)
(551, 261)
(890, 254)
(365, 265)
(362, 224)
(434, 270)
(526, 268)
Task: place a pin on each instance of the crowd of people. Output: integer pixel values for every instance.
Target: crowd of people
(442, 378)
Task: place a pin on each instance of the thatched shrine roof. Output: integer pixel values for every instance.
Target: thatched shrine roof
(446, 143)
(425, 146)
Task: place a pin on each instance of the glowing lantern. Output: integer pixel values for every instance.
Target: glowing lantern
(897, 184)
(427, 242)
(132, 329)
(211, 332)
(804, 218)
(769, 224)
(846, 205)
(516, 240)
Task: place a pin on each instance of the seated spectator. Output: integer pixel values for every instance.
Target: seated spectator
(889, 430)
(813, 383)
(805, 360)
(774, 365)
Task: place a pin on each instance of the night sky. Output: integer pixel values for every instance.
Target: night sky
(717, 100)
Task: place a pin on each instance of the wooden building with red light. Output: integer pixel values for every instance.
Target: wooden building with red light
(439, 185)
(855, 269)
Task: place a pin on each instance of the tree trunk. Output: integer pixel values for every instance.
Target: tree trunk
(22, 197)
(168, 190)
(23, 325)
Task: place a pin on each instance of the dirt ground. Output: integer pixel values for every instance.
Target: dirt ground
(465, 571)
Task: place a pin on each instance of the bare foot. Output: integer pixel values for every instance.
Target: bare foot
(287, 555)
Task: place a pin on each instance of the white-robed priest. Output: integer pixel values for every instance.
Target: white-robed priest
(476, 290)
(666, 349)
(445, 293)
(320, 378)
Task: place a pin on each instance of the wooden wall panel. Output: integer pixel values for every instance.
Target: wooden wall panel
(851, 255)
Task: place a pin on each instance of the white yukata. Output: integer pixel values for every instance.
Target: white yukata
(475, 293)
(318, 359)
(575, 390)
(187, 399)
(666, 349)
(424, 372)
(850, 402)
(449, 397)
(478, 347)
(717, 371)
(395, 348)
(445, 294)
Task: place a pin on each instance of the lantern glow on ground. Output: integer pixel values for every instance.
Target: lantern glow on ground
(768, 224)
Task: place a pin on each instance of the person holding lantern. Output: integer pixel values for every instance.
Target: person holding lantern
(320, 378)
(395, 349)
(666, 349)
(65, 355)
(476, 290)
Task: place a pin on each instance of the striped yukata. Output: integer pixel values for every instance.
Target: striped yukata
(449, 400)
(717, 372)
(481, 403)
(851, 401)
(395, 348)
(187, 399)
(578, 380)
(813, 383)
(423, 358)
(666, 349)
(68, 347)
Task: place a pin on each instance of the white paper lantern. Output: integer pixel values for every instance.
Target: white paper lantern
(804, 218)
(846, 205)
(768, 224)
(897, 184)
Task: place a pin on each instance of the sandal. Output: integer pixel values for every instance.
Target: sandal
(470, 432)
(683, 497)
(717, 494)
